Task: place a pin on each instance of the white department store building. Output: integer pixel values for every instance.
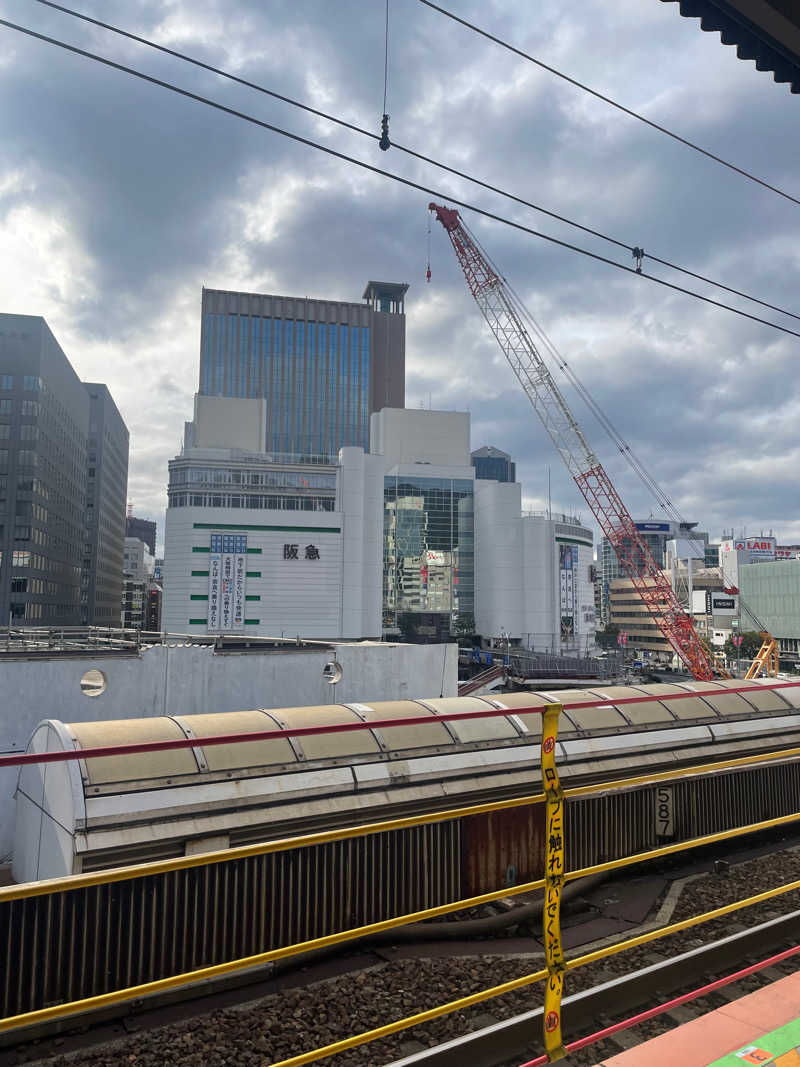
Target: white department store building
(403, 541)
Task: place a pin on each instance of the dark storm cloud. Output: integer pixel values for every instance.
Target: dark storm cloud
(139, 198)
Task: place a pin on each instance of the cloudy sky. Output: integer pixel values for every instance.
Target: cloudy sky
(119, 201)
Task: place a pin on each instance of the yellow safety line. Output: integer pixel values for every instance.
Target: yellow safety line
(683, 772)
(131, 992)
(413, 1020)
(580, 961)
(124, 874)
(116, 996)
(675, 928)
(682, 846)
(554, 869)
(283, 844)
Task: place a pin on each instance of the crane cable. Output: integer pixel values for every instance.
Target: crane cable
(647, 479)
(412, 153)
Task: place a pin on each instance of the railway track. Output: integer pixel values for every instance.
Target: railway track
(346, 994)
(507, 1043)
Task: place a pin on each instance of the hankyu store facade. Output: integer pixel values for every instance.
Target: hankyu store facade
(237, 563)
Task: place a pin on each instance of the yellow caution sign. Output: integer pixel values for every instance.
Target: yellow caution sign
(554, 882)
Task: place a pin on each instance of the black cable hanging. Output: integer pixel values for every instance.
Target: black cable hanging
(607, 100)
(385, 144)
(408, 151)
(408, 182)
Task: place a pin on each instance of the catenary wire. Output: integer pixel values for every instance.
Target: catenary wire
(408, 182)
(408, 151)
(608, 100)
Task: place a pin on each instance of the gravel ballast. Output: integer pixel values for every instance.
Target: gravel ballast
(281, 1025)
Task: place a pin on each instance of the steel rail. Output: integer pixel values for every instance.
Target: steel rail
(582, 961)
(669, 1005)
(509, 1039)
(18, 759)
(322, 837)
(357, 933)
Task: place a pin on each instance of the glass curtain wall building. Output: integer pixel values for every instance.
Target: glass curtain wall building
(655, 534)
(493, 464)
(44, 422)
(428, 564)
(106, 489)
(321, 366)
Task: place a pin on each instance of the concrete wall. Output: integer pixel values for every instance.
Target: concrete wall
(498, 558)
(440, 438)
(192, 680)
(360, 497)
(229, 422)
(297, 596)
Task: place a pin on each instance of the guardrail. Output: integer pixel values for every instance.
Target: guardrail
(555, 799)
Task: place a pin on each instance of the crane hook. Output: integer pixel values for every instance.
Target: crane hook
(428, 271)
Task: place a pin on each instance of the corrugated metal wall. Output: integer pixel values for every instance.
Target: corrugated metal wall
(65, 946)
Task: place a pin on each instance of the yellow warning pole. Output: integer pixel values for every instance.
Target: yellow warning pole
(553, 884)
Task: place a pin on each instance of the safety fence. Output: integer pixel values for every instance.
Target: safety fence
(45, 931)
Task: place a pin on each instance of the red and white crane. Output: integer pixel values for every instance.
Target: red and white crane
(499, 307)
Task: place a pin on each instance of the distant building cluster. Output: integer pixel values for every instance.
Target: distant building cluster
(308, 500)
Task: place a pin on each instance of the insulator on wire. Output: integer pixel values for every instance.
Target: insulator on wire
(384, 142)
(638, 255)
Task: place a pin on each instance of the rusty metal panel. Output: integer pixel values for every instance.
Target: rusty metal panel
(500, 840)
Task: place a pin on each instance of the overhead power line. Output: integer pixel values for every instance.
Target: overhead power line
(408, 182)
(410, 152)
(607, 100)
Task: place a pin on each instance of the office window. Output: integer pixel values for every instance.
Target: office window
(5, 431)
(29, 432)
(5, 405)
(20, 558)
(26, 458)
(6, 381)
(31, 384)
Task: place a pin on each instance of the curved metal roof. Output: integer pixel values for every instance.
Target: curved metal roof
(673, 708)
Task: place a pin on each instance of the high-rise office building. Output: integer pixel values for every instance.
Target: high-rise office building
(655, 533)
(106, 488)
(44, 423)
(493, 464)
(144, 529)
(428, 523)
(321, 366)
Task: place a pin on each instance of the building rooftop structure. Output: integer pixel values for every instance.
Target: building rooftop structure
(767, 31)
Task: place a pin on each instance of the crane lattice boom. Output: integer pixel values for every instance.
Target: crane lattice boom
(652, 585)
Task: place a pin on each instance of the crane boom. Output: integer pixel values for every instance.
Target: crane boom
(494, 300)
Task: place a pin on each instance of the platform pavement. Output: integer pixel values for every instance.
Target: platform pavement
(761, 1028)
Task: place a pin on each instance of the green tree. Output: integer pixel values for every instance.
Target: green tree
(751, 643)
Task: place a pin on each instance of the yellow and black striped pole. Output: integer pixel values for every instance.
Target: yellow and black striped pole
(554, 881)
